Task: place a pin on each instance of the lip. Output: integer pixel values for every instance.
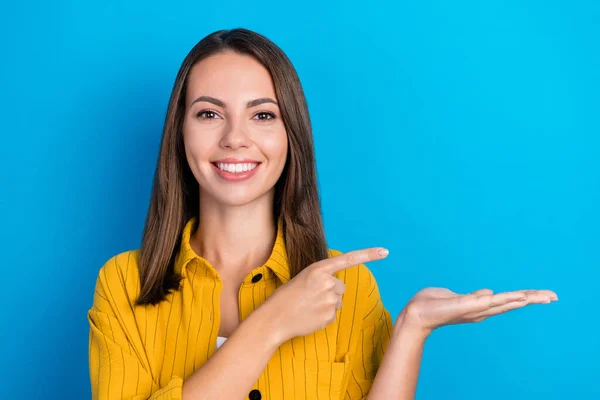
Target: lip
(231, 160)
(235, 177)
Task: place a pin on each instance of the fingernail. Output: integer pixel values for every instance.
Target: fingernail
(383, 252)
(554, 298)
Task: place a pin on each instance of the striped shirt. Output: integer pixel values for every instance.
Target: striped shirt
(146, 352)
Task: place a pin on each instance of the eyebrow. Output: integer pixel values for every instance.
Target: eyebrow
(251, 103)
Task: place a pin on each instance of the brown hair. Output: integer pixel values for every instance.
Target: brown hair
(174, 199)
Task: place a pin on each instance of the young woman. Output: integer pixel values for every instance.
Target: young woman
(234, 293)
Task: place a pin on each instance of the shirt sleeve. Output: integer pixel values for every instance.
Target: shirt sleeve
(117, 361)
(375, 333)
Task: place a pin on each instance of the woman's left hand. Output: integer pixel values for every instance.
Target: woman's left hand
(432, 307)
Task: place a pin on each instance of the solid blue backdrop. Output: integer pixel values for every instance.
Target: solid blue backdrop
(463, 136)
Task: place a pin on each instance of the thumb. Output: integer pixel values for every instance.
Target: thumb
(482, 292)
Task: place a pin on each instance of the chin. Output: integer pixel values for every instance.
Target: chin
(237, 194)
(236, 200)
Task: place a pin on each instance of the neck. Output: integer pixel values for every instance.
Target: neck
(235, 239)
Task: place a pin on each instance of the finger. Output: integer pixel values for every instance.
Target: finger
(547, 294)
(502, 309)
(340, 286)
(482, 302)
(334, 264)
(512, 306)
(339, 303)
(531, 297)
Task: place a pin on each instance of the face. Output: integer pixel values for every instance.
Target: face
(235, 140)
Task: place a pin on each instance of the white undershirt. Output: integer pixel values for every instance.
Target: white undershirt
(220, 341)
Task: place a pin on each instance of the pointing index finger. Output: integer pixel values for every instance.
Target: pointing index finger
(352, 258)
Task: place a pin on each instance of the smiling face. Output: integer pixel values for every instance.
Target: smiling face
(235, 140)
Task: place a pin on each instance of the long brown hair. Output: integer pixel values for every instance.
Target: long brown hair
(174, 199)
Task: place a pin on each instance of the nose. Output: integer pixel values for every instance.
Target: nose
(235, 136)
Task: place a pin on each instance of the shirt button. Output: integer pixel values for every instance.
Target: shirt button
(255, 395)
(255, 279)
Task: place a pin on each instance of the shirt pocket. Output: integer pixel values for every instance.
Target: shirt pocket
(317, 379)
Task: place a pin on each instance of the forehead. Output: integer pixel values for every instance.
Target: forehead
(229, 76)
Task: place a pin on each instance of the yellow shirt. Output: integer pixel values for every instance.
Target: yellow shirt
(147, 352)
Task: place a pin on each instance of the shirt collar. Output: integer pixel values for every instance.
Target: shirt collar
(187, 259)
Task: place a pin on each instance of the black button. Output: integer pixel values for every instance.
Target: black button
(255, 279)
(255, 394)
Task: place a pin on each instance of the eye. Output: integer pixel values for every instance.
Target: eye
(265, 115)
(206, 114)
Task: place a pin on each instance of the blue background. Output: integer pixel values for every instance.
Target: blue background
(464, 136)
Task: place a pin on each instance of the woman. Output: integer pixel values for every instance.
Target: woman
(234, 293)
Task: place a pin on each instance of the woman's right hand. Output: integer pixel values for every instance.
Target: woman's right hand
(309, 301)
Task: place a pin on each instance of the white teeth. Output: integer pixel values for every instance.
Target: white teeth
(237, 168)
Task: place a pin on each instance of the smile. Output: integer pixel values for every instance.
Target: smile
(236, 168)
(235, 171)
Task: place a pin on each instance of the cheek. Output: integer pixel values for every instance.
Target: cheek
(197, 145)
(275, 147)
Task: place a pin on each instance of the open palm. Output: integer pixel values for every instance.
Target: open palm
(433, 307)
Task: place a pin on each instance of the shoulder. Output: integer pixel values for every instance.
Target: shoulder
(117, 284)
